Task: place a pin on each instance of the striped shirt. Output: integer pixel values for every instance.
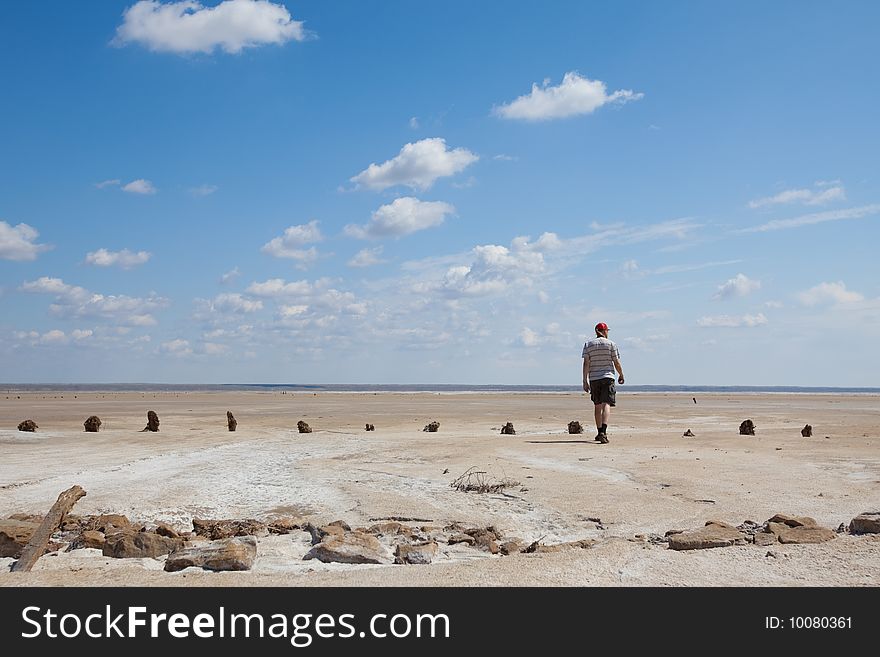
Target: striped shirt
(601, 352)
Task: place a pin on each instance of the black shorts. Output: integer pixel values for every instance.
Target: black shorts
(602, 391)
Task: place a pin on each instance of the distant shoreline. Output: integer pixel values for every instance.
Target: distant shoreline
(412, 388)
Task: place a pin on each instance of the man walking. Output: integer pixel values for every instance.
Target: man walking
(601, 358)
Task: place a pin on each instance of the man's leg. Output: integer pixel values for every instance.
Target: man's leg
(598, 412)
(602, 413)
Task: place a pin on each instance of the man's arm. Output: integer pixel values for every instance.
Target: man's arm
(619, 369)
(586, 374)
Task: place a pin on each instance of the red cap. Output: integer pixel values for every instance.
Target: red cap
(601, 326)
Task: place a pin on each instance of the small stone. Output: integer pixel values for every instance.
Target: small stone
(867, 522)
(152, 422)
(129, 544)
(508, 429)
(688, 433)
(807, 431)
(28, 425)
(575, 427)
(420, 553)
(226, 554)
(92, 424)
(303, 427)
(432, 426)
(369, 427)
(231, 422)
(351, 547)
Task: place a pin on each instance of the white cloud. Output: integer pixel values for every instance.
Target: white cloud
(124, 259)
(139, 186)
(214, 348)
(79, 334)
(17, 242)
(230, 276)
(739, 286)
(414, 122)
(294, 237)
(53, 337)
(774, 304)
(402, 216)
(528, 337)
(417, 166)
(730, 321)
(505, 158)
(803, 196)
(277, 287)
(75, 301)
(573, 96)
(292, 311)
(816, 218)
(203, 190)
(829, 293)
(367, 258)
(188, 26)
(108, 183)
(178, 347)
(646, 343)
(229, 303)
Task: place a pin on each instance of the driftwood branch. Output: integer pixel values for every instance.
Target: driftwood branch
(40, 538)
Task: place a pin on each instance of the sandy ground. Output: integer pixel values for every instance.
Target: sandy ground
(649, 479)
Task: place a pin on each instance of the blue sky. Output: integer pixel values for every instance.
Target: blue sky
(456, 192)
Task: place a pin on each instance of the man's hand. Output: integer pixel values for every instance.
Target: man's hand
(620, 379)
(586, 386)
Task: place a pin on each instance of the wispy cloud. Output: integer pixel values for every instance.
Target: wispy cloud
(828, 293)
(731, 321)
(402, 216)
(74, 302)
(19, 242)
(124, 259)
(115, 182)
(418, 166)
(738, 286)
(54, 337)
(230, 276)
(574, 96)
(802, 196)
(189, 27)
(203, 190)
(139, 186)
(816, 218)
(367, 258)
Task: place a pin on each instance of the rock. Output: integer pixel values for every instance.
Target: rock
(320, 533)
(217, 529)
(747, 428)
(14, 535)
(793, 521)
(351, 547)
(867, 522)
(807, 431)
(303, 427)
(369, 427)
(164, 529)
(713, 534)
(92, 424)
(340, 523)
(231, 421)
(226, 554)
(511, 547)
(432, 426)
(285, 525)
(419, 553)
(688, 433)
(28, 425)
(462, 538)
(129, 544)
(575, 427)
(765, 538)
(805, 534)
(389, 529)
(537, 547)
(152, 422)
(88, 539)
(508, 429)
(104, 523)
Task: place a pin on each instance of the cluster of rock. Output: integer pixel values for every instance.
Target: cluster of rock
(92, 424)
(781, 528)
(807, 431)
(369, 427)
(231, 422)
(575, 427)
(28, 425)
(508, 429)
(303, 427)
(433, 426)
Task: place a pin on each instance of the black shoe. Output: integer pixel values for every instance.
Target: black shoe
(601, 437)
